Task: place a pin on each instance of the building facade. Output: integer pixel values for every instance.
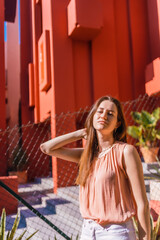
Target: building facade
(72, 52)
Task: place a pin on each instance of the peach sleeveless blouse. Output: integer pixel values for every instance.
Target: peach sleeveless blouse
(107, 196)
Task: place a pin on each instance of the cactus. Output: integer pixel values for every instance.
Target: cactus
(154, 230)
(11, 234)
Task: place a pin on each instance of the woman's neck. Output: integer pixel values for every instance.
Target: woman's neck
(104, 141)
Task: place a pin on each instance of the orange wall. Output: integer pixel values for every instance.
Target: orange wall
(152, 84)
(79, 50)
(84, 67)
(2, 69)
(25, 58)
(82, 72)
(63, 59)
(29, 113)
(120, 52)
(105, 72)
(95, 48)
(13, 70)
(3, 164)
(154, 27)
(140, 43)
(7, 200)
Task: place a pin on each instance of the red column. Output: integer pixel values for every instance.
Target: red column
(25, 59)
(140, 43)
(3, 164)
(2, 70)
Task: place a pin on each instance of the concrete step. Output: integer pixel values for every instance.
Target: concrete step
(33, 199)
(61, 212)
(69, 193)
(69, 225)
(67, 214)
(149, 172)
(68, 210)
(62, 209)
(43, 185)
(46, 182)
(45, 231)
(150, 166)
(34, 223)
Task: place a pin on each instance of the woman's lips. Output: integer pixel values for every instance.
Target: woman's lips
(102, 122)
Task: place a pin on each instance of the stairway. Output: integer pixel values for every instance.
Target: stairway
(62, 209)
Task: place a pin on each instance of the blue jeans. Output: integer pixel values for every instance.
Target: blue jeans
(93, 231)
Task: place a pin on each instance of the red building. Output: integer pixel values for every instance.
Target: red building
(73, 52)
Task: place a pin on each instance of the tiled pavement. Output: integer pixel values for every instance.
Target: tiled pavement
(61, 209)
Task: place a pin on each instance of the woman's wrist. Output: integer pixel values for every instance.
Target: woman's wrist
(81, 133)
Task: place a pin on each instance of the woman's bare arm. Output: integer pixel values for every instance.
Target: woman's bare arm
(55, 147)
(134, 171)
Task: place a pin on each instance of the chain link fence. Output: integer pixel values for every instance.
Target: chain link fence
(19, 151)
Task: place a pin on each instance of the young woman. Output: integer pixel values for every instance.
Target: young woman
(111, 181)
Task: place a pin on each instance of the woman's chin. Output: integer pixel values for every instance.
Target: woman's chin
(101, 128)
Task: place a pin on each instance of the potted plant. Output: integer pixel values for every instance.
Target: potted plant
(146, 133)
(18, 164)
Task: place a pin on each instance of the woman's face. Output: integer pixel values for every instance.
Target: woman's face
(105, 117)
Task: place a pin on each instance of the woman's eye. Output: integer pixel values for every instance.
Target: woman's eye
(110, 114)
(99, 111)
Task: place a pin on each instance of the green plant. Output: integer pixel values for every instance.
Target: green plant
(145, 130)
(154, 230)
(19, 160)
(11, 234)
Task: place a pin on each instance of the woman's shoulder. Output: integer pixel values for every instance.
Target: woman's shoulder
(120, 144)
(126, 147)
(127, 153)
(129, 150)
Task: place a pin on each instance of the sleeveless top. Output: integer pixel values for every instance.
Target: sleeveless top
(107, 195)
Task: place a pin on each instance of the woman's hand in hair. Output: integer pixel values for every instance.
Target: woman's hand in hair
(55, 147)
(84, 133)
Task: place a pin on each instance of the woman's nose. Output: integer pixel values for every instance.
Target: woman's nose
(104, 115)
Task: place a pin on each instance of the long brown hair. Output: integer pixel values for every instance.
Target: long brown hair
(91, 147)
